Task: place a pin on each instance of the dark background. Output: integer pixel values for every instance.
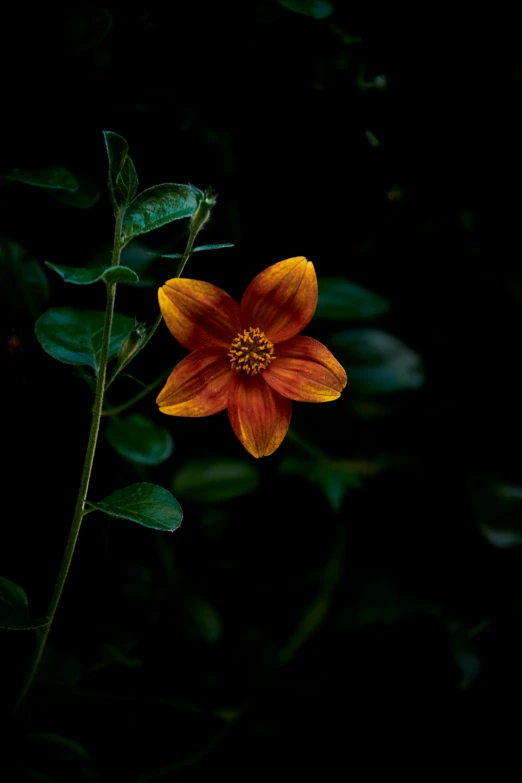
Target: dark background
(179, 653)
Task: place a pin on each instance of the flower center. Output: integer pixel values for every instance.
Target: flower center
(251, 351)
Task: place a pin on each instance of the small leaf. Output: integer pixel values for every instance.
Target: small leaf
(52, 177)
(117, 152)
(85, 197)
(14, 608)
(213, 481)
(318, 9)
(195, 250)
(75, 336)
(23, 282)
(87, 276)
(144, 503)
(340, 299)
(156, 207)
(139, 439)
(126, 183)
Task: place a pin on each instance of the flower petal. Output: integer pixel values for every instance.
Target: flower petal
(259, 416)
(198, 386)
(282, 299)
(305, 370)
(199, 314)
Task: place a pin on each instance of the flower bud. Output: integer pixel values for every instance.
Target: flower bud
(201, 214)
(131, 344)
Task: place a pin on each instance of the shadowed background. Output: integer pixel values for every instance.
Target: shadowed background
(361, 587)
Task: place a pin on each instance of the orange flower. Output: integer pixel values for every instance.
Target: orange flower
(248, 358)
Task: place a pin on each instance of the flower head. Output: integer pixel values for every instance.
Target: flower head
(250, 357)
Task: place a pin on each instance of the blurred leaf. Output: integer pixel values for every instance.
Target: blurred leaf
(144, 503)
(85, 197)
(382, 362)
(87, 276)
(334, 477)
(139, 439)
(156, 207)
(318, 9)
(195, 250)
(496, 506)
(14, 608)
(84, 26)
(213, 481)
(340, 299)
(509, 492)
(207, 620)
(139, 258)
(23, 282)
(113, 653)
(75, 336)
(379, 601)
(51, 178)
(385, 379)
(52, 754)
(502, 538)
(126, 183)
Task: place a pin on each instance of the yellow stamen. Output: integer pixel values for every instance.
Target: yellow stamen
(251, 351)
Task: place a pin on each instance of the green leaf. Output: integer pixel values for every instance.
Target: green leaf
(75, 336)
(63, 758)
(85, 197)
(117, 152)
(126, 183)
(14, 608)
(340, 299)
(318, 9)
(144, 503)
(156, 207)
(51, 178)
(378, 362)
(213, 481)
(23, 283)
(87, 276)
(195, 250)
(139, 439)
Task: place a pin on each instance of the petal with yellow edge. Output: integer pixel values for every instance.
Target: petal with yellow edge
(282, 299)
(198, 386)
(259, 416)
(199, 314)
(306, 371)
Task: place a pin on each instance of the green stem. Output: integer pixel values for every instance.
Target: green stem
(79, 510)
(194, 230)
(143, 393)
(188, 250)
(118, 244)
